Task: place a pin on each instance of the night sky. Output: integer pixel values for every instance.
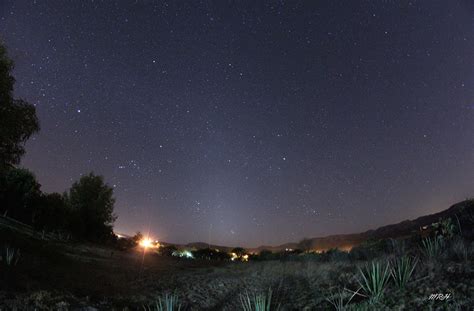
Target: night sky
(244, 124)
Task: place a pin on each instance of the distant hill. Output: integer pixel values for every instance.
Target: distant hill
(401, 229)
(347, 241)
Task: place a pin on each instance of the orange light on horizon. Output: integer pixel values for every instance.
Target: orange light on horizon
(148, 243)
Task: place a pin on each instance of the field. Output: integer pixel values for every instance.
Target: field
(63, 276)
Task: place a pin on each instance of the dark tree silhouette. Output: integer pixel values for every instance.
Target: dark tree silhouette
(92, 205)
(239, 251)
(52, 213)
(306, 244)
(19, 194)
(18, 120)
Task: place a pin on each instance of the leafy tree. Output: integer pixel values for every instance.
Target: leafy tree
(52, 213)
(18, 120)
(19, 194)
(92, 205)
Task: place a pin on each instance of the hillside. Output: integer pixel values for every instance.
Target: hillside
(404, 228)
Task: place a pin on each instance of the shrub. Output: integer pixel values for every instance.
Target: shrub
(402, 269)
(257, 302)
(373, 279)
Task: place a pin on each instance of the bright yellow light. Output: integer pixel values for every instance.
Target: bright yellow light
(146, 243)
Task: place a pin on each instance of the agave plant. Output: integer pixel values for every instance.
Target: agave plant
(11, 256)
(341, 300)
(432, 247)
(373, 279)
(166, 302)
(401, 270)
(257, 302)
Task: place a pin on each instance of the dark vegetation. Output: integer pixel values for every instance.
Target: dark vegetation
(85, 212)
(58, 251)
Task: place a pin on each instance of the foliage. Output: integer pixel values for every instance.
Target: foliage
(265, 255)
(92, 205)
(370, 249)
(401, 270)
(10, 256)
(168, 250)
(445, 228)
(19, 194)
(18, 120)
(373, 279)
(432, 247)
(137, 237)
(257, 301)
(166, 302)
(335, 254)
(52, 214)
(341, 299)
(397, 247)
(459, 250)
(210, 254)
(239, 251)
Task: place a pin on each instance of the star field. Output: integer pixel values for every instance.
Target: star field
(246, 123)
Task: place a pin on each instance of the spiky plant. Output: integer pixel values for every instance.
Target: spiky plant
(166, 302)
(373, 279)
(341, 299)
(432, 247)
(257, 301)
(401, 270)
(11, 256)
